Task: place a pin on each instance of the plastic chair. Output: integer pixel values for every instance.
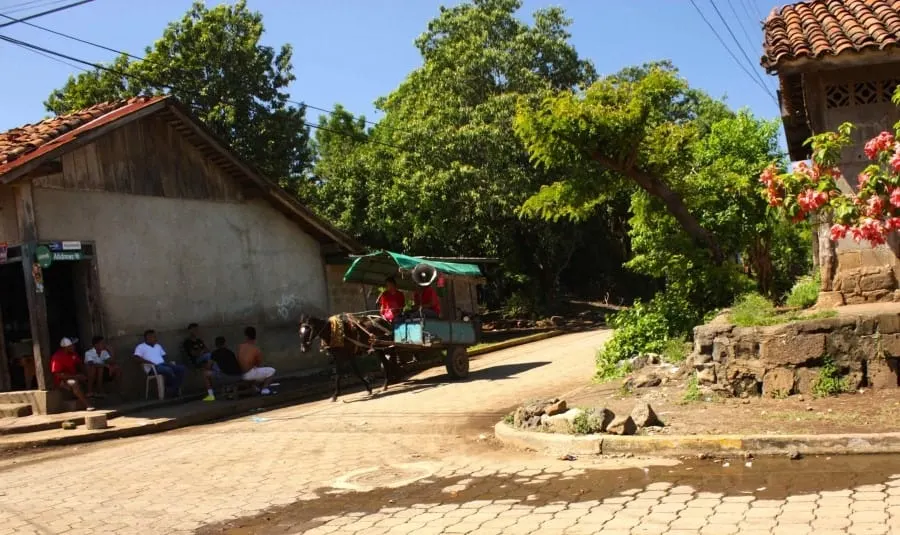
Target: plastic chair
(153, 376)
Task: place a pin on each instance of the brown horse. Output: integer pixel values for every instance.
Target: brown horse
(346, 338)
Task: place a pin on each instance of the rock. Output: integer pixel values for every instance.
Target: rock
(889, 323)
(643, 416)
(533, 422)
(95, 421)
(794, 454)
(536, 407)
(721, 348)
(706, 376)
(653, 358)
(602, 417)
(638, 362)
(555, 408)
(882, 373)
(557, 321)
(879, 278)
(69, 425)
(646, 378)
(519, 417)
(878, 295)
(699, 359)
(805, 380)
(622, 425)
(830, 300)
(778, 383)
(784, 350)
(562, 423)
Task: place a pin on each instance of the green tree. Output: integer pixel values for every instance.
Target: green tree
(456, 180)
(213, 62)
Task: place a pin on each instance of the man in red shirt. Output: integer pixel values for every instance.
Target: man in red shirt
(65, 365)
(391, 301)
(427, 300)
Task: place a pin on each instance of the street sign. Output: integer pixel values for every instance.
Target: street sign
(43, 256)
(67, 256)
(64, 246)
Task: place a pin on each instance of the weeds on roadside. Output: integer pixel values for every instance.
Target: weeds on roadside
(675, 350)
(754, 310)
(692, 393)
(587, 423)
(829, 382)
(804, 293)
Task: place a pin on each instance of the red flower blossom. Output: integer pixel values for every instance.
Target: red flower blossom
(875, 206)
(839, 232)
(895, 197)
(878, 144)
(862, 179)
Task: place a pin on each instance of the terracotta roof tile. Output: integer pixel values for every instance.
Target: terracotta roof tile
(817, 28)
(20, 142)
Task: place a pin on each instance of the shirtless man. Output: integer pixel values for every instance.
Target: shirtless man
(250, 359)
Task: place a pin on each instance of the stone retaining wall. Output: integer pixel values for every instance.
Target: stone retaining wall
(786, 359)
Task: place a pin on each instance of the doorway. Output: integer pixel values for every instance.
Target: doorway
(65, 292)
(16, 327)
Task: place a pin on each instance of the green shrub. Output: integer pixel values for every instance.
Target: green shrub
(692, 392)
(804, 293)
(675, 350)
(829, 382)
(753, 310)
(587, 423)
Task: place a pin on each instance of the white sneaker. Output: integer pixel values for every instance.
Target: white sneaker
(265, 391)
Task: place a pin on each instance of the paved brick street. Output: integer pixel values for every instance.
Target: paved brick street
(418, 460)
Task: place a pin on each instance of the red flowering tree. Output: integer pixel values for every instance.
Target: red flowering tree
(869, 214)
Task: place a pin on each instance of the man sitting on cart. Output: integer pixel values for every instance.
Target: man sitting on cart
(391, 301)
(427, 302)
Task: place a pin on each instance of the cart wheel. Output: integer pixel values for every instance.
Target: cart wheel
(457, 362)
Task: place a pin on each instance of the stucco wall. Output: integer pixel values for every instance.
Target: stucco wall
(9, 227)
(164, 263)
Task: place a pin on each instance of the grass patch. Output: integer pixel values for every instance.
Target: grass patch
(692, 393)
(675, 350)
(804, 293)
(609, 369)
(754, 310)
(829, 382)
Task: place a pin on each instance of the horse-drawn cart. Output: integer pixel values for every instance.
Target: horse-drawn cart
(415, 334)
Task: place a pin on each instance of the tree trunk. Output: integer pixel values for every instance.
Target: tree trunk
(673, 202)
(816, 222)
(827, 254)
(761, 261)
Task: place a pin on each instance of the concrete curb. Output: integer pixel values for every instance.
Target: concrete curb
(515, 342)
(727, 445)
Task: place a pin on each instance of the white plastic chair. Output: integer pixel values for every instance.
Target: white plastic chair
(154, 377)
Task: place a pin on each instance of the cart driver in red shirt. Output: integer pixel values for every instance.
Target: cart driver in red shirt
(391, 301)
(426, 299)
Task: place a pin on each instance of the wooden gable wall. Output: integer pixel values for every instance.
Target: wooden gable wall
(145, 157)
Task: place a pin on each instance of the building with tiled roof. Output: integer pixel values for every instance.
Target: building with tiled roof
(131, 215)
(839, 61)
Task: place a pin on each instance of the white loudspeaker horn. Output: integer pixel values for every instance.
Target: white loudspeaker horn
(424, 275)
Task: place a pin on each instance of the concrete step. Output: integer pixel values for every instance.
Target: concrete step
(15, 410)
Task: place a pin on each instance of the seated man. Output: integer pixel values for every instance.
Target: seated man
(101, 367)
(391, 301)
(150, 352)
(427, 302)
(65, 365)
(250, 359)
(196, 350)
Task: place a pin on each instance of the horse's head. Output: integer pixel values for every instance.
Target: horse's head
(309, 329)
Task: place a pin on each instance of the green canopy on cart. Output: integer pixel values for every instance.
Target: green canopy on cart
(374, 268)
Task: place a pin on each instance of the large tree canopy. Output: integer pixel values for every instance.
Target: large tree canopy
(443, 172)
(212, 61)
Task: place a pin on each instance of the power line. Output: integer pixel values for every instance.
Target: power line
(27, 6)
(730, 53)
(45, 51)
(42, 13)
(741, 24)
(741, 48)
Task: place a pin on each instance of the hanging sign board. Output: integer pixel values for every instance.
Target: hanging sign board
(38, 275)
(43, 257)
(4, 252)
(64, 246)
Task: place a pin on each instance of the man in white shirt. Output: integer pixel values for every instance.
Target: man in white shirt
(101, 367)
(152, 353)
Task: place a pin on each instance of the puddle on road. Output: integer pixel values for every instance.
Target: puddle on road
(769, 479)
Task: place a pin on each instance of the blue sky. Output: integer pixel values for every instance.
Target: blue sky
(353, 51)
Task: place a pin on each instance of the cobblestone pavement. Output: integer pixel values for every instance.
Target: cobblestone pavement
(418, 459)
